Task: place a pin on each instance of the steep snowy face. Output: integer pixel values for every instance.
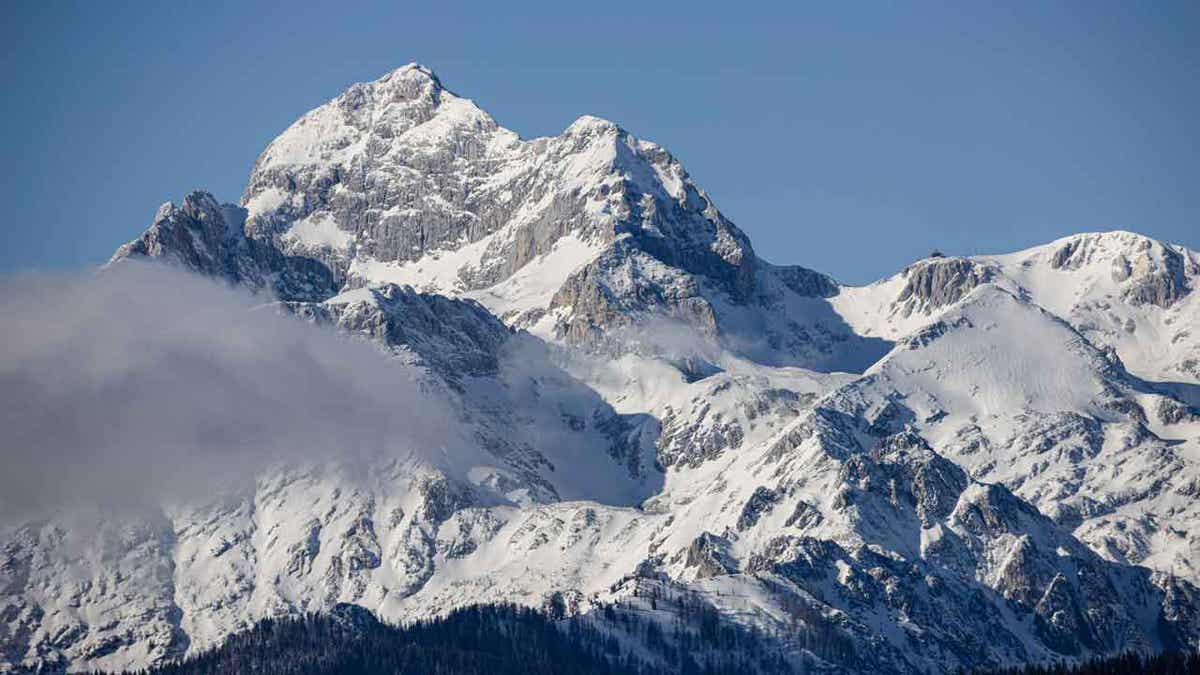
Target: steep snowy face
(397, 169)
(1015, 395)
(1122, 291)
(1141, 270)
(574, 236)
(384, 172)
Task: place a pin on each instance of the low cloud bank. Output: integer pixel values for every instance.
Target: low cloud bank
(144, 383)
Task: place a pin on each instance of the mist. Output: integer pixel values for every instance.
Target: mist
(143, 384)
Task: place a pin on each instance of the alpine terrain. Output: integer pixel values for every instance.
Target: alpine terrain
(977, 463)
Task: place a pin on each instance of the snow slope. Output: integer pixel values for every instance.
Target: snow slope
(976, 462)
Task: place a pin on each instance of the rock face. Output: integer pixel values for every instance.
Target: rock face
(1148, 271)
(978, 462)
(208, 238)
(400, 180)
(938, 282)
(452, 337)
(399, 168)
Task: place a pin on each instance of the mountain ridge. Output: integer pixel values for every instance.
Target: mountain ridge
(959, 450)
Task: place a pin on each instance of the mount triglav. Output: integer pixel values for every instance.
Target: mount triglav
(976, 462)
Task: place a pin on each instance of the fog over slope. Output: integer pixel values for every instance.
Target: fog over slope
(144, 383)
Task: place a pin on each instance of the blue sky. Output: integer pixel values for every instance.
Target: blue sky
(848, 137)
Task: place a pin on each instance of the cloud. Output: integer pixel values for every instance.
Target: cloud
(147, 383)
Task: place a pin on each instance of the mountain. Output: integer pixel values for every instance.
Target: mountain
(1121, 290)
(572, 237)
(976, 463)
(1095, 421)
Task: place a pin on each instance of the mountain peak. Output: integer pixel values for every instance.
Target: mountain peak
(414, 67)
(1079, 249)
(412, 72)
(591, 125)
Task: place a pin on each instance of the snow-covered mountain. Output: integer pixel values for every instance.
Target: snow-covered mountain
(976, 462)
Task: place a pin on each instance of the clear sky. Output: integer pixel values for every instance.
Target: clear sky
(849, 137)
